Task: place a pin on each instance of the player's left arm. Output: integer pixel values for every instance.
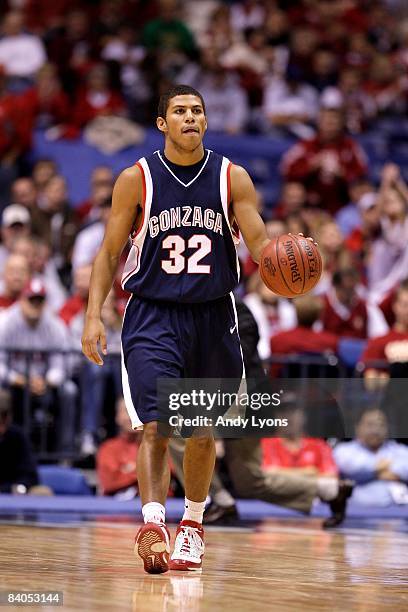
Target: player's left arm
(244, 207)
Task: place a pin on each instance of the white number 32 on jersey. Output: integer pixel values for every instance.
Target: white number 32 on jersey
(177, 260)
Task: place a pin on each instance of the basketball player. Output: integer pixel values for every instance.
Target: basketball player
(182, 206)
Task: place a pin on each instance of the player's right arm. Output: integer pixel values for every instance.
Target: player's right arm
(126, 199)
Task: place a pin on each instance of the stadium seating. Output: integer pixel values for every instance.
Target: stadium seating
(63, 481)
(350, 351)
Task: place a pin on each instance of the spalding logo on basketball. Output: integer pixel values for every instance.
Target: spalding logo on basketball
(290, 265)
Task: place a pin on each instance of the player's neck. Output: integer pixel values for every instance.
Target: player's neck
(180, 156)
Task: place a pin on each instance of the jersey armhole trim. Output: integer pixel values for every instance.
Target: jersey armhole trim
(135, 233)
(229, 200)
(234, 224)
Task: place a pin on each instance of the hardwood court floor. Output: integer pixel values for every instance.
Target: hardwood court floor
(280, 567)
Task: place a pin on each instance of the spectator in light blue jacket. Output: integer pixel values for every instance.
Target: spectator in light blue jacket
(378, 465)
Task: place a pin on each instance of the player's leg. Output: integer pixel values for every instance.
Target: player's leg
(215, 352)
(198, 467)
(223, 507)
(153, 471)
(149, 353)
(152, 542)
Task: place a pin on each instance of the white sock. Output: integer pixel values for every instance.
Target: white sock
(327, 487)
(193, 511)
(153, 512)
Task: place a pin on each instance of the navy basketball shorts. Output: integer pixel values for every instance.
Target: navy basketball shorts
(175, 340)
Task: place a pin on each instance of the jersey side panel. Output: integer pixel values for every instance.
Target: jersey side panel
(138, 238)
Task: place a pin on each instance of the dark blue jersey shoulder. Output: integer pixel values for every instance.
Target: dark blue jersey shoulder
(184, 250)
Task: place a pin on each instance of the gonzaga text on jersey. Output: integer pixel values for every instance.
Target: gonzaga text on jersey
(185, 216)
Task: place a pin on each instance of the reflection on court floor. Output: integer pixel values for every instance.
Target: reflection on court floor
(277, 565)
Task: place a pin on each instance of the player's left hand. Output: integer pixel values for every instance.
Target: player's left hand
(94, 333)
(308, 238)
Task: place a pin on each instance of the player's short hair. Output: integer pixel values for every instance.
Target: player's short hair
(177, 90)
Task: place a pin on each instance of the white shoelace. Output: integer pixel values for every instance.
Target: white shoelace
(188, 543)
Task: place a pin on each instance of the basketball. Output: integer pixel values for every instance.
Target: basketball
(290, 265)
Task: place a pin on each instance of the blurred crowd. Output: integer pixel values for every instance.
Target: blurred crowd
(319, 71)
(262, 65)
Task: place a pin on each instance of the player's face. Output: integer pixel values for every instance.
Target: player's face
(185, 122)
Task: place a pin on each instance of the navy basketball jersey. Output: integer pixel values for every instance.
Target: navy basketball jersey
(184, 249)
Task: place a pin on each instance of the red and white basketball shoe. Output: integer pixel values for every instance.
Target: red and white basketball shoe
(152, 544)
(188, 547)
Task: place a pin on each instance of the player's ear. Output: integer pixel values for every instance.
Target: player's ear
(161, 124)
(205, 125)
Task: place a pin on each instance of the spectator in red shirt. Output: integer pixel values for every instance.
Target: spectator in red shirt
(15, 277)
(303, 338)
(116, 458)
(296, 453)
(77, 302)
(345, 311)
(15, 136)
(71, 45)
(385, 87)
(387, 305)
(326, 164)
(9, 120)
(393, 346)
(101, 189)
(97, 98)
(292, 200)
(41, 12)
(48, 103)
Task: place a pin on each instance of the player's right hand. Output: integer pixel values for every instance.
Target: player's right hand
(94, 332)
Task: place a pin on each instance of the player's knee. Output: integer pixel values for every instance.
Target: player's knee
(202, 443)
(153, 438)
